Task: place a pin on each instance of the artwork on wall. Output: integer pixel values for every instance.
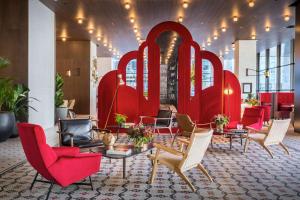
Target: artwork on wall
(247, 88)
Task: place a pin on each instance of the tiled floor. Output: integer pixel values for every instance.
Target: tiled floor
(236, 175)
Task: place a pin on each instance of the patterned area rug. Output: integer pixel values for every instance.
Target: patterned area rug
(236, 175)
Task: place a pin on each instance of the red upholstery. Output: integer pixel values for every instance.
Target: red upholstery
(253, 117)
(267, 112)
(265, 98)
(62, 165)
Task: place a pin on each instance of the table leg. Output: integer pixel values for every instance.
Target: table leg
(124, 168)
(230, 142)
(211, 142)
(241, 140)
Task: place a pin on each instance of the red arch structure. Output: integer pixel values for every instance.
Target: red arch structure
(131, 102)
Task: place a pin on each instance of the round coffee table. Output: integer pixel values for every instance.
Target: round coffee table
(134, 152)
(231, 134)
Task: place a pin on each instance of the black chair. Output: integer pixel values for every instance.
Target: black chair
(163, 120)
(79, 133)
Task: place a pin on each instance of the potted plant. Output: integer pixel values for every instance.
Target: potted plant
(120, 119)
(61, 112)
(140, 135)
(221, 121)
(251, 100)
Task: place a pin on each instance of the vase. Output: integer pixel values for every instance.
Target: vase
(7, 125)
(220, 127)
(109, 139)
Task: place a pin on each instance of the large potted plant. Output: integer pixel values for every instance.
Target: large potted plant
(61, 112)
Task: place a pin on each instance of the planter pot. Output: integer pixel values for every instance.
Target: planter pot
(7, 125)
(61, 113)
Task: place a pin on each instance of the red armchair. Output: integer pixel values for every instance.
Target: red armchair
(267, 112)
(252, 117)
(59, 165)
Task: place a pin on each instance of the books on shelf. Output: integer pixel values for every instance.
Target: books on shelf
(119, 150)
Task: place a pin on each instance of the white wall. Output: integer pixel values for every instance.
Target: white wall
(104, 65)
(93, 86)
(245, 57)
(41, 63)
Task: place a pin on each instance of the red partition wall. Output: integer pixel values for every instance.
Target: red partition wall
(132, 102)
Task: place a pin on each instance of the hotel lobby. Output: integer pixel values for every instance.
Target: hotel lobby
(149, 99)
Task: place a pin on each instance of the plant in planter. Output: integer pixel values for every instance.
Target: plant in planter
(120, 119)
(61, 112)
(140, 135)
(251, 100)
(221, 121)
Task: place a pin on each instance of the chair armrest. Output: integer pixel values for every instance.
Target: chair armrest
(101, 130)
(66, 133)
(66, 151)
(183, 140)
(251, 129)
(205, 124)
(168, 149)
(142, 117)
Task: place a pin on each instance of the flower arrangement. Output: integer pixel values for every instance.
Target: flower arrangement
(140, 135)
(251, 100)
(120, 119)
(221, 121)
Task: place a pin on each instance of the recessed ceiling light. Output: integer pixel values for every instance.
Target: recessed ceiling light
(251, 3)
(253, 36)
(105, 44)
(127, 5)
(226, 52)
(215, 37)
(235, 18)
(138, 38)
(132, 20)
(180, 19)
(267, 28)
(233, 46)
(91, 31)
(185, 4)
(208, 43)
(80, 20)
(63, 39)
(98, 38)
(286, 17)
(223, 29)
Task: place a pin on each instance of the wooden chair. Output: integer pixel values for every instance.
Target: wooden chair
(179, 161)
(274, 135)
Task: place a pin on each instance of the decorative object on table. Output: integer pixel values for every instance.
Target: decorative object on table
(14, 104)
(120, 83)
(247, 88)
(221, 121)
(61, 112)
(140, 135)
(251, 100)
(120, 119)
(123, 150)
(109, 140)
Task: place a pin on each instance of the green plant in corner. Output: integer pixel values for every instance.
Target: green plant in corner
(120, 119)
(59, 94)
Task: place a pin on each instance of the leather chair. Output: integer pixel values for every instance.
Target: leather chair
(163, 120)
(79, 133)
(267, 112)
(252, 117)
(59, 165)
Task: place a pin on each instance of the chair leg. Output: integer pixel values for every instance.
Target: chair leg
(186, 180)
(268, 150)
(284, 147)
(170, 130)
(174, 138)
(92, 187)
(246, 145)
(36, 175)
(204, 171)
(154, 169)
(49, 191)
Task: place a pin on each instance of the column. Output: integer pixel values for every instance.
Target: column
(297, 71)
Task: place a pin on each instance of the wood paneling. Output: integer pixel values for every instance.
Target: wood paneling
(14, 38)
(75, 56)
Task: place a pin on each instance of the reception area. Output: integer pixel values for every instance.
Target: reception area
(173, 99)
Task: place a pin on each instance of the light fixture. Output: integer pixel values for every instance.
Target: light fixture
(185, 4)
(69, 73)
(105, 44)
(251, 3)
(98, 38)
(180, 19)
(233, 46)
(135, 29)
(138, 38)
(253, 36)
(228, 91)
(110, 49)
(267, 28)
(132, 20)
(286, 17)
(235, 18)
(226, 51)
(80, 20)
(208, 43)
(63, 39)
(127, 5)
(91, 31)
(215, 37)
(223, 29)
(203, 48)
(267, 73)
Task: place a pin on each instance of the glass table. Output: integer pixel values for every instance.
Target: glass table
(134, 151)
(231, 134)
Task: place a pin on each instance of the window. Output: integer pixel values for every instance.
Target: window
(229, 65)
(145, 74)
(262, 68)
(207, 74)
(131, 74)
(192, 92)
(273, 68)
(285, 69)
(115, 62)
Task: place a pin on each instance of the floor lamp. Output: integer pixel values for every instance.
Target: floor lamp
(228, 91)
(119, 83)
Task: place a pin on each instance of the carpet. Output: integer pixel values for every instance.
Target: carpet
(237, 175)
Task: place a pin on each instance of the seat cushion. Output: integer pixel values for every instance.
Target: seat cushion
(259, 137)
(170, 160)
